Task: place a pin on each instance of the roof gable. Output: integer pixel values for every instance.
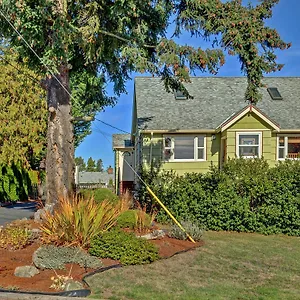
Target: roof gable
(248, 109)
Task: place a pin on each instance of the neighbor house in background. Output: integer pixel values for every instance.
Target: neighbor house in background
(190, 135)
(87, 180)
(124, 160)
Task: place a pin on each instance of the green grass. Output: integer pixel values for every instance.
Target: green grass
(229, 266)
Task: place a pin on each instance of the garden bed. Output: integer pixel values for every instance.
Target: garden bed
(41, 282)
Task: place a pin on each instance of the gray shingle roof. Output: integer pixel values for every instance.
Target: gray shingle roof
(121, 141)
(215, 99)
(95, 177)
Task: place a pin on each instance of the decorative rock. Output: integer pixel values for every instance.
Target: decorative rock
(154, 235)
(72, 285)
(39, 214)
(26, 271)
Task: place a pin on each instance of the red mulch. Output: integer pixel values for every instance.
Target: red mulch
(41, 282)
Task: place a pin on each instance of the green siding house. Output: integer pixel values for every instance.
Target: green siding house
(190, 135)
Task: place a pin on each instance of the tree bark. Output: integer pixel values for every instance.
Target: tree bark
(60, 181)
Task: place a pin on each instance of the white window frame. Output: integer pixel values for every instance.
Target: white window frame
(237, 139)
(196, 148)
(286, 145)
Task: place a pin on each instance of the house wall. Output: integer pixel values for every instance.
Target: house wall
(251, 122)
(122, 170)
(152, 150)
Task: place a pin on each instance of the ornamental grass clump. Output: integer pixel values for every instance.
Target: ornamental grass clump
(76, 221)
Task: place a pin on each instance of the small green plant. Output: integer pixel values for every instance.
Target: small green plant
(14, 238)
(76, 221)
(125, 247)
(51, 257)
(127, 219)
(193, 229)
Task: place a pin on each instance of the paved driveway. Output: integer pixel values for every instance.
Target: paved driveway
(16, 211)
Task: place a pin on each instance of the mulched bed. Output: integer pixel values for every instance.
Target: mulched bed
(41, 282)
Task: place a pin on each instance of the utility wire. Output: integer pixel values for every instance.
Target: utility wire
(112, 126)
(40, 59)
(50, 71)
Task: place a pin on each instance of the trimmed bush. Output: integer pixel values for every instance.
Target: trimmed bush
(246, 195)
(51, 257)
(125, 247)
(128, 219)
(99, 195)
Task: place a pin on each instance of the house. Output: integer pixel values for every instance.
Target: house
(124, 161)
(190, 135)
(103, 179)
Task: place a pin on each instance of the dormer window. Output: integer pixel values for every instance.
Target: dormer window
(179, 95)
(274, 93)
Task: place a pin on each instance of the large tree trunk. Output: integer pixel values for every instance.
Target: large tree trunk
(60, 179)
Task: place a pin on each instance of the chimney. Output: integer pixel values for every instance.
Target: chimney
(110, 170)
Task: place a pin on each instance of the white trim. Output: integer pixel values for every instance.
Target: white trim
(286, 145)
(237, 145)
(196, 148)
(243, 113)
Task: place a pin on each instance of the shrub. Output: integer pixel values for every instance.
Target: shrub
(125, 247)
(14, 237)
(246, 195)
(51, 257)
(77, 221)
(193, 229)
(127, 219)
(99, 195)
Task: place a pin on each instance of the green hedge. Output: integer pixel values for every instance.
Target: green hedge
(247, 195)
(99, 194)
(15, 183)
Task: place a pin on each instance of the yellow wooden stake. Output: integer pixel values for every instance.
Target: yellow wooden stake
(169, 213)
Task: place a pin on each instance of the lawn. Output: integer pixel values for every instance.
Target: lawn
(229, 266)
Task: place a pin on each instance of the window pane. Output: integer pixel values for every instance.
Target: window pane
(248, 151)
(200, 153)
(200, 141)
(281, 153)
(168, 141)
(184, 147)
(293, 147)
(248, 139)
(281, 141)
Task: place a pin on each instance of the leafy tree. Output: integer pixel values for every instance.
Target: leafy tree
(79, 161)
(91, 165)
(99, 165)
(93, 42)
(23, 114)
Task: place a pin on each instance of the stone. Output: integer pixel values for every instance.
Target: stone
(72, 285)
(154, 235)
(39, 214)
(26, 271)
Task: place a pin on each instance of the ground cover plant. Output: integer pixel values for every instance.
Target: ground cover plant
(229, 266)
(123, 246)
(246, 195)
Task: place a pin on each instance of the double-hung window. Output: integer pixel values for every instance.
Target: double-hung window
(184, 148)
(248, 144)
(288, 147)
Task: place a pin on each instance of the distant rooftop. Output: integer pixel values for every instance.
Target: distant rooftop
(121, 141)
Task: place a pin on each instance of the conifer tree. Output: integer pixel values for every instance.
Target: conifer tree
(101, 41)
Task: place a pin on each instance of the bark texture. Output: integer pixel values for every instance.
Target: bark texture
(60, 149)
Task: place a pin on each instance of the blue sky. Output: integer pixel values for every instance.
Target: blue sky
(286, 19)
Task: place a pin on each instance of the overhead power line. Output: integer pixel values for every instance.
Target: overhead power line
(112, 126)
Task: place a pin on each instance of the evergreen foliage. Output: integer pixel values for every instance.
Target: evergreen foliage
(246, 195)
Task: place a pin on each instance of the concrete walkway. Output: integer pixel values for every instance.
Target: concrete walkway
(16, 211)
